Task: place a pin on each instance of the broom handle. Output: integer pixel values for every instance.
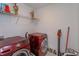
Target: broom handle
(67, 39)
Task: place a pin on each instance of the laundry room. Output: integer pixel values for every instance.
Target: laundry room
(39, 29)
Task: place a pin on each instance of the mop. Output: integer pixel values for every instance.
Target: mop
(59, 37)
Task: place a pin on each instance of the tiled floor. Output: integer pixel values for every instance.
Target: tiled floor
(50, 54)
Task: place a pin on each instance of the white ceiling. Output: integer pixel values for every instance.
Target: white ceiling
(37, 5)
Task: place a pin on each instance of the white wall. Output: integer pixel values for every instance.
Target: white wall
(78, 22)
(8, 26)
(59, 16)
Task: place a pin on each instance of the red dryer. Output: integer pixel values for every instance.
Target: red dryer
(14, 46)
(38, 43)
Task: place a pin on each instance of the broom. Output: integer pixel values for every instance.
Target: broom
(67, 39)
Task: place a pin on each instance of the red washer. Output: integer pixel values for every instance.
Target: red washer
(38, 43)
